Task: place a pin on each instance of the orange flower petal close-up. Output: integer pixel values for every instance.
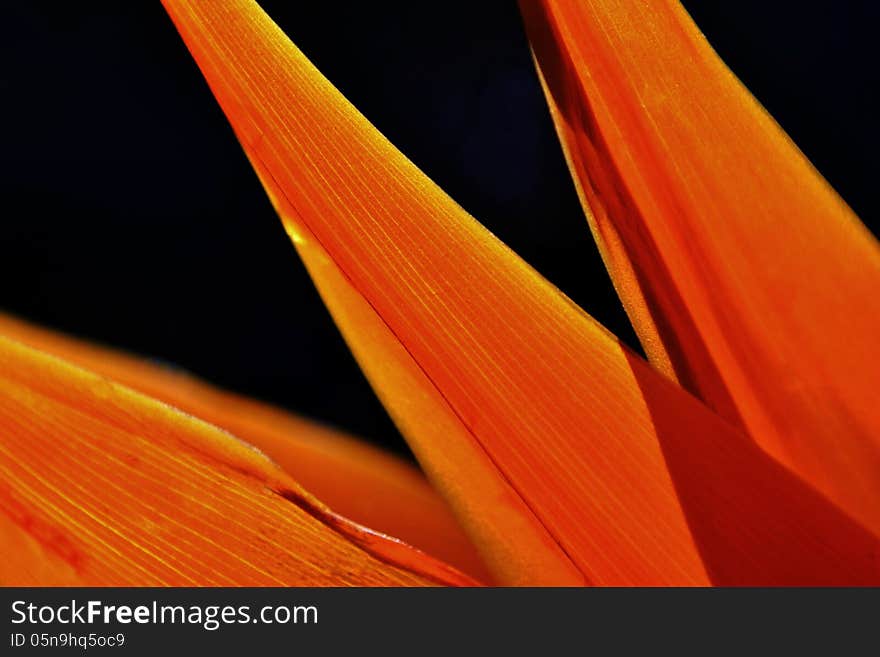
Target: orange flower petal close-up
(744, 450)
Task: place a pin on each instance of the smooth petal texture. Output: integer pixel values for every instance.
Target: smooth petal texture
(100, 485)
(747, 278)
(561, 450)
(358, 481)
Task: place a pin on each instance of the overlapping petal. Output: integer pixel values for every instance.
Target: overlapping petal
(747, 278)
(100, 485)
(358, 481)
(568, 459)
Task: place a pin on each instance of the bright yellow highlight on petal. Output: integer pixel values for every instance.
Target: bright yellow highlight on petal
(568, 459)
(746, 453)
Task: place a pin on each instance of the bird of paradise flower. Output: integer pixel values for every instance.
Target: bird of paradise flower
(745, 451)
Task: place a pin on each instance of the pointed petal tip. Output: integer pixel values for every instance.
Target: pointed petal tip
(491, 373)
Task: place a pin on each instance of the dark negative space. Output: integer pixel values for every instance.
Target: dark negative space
(131, 217)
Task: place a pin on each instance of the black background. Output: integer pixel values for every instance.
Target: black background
(130, 216)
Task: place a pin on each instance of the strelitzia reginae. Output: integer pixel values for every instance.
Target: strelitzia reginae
(746, 450)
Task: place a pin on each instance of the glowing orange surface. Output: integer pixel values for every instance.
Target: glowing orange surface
(747, 278)
(354, 479)
(100, 485)
(568, 459)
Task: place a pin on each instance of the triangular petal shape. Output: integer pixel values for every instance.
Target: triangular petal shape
(528, 415)
(354, 479)
(747, 278)
(100, 485)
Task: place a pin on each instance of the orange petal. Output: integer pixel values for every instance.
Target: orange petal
(747, 278)
(101, 485)
(354, 479)
(551, 440)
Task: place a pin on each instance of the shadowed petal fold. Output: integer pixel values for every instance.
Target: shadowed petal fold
(568, 459)
(747, 278)
(100, 485)
(353, 478)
